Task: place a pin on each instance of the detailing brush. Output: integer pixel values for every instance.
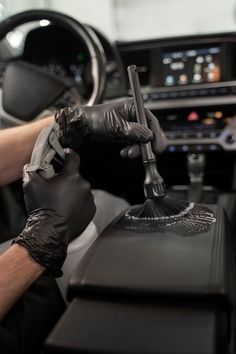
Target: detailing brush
(158, 208)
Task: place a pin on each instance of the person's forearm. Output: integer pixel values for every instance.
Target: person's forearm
(18, 270)
(16, 146)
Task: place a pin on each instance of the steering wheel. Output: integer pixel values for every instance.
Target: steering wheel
(27, 90)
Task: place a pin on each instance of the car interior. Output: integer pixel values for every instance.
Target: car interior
(172, 295)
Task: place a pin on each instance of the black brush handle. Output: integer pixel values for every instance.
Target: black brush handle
(146, 149)
(154, 185)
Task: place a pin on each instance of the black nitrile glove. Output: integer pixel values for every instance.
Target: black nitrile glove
(59, 209)
(115, 121)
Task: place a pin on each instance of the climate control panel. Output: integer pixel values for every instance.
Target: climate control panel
(199, 130)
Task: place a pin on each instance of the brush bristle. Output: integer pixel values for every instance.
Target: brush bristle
(160, 209)
(190, 221)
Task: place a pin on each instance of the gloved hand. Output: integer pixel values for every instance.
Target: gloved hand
(59, 209)
(115, 121)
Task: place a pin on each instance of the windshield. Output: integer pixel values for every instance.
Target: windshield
(140, 19)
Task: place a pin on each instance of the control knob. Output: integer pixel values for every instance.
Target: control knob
(230, 139)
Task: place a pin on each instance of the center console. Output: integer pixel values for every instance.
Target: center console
(152, 292)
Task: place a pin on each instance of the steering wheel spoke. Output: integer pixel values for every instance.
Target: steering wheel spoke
(70, 97)
(23, 103)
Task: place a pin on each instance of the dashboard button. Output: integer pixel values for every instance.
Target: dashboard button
(214, 147)
(233, 89)
(202, 92)
(172, 148)
(193, 135)
(192, 93)
(171, 136)
(213, 135)
(199, 147)
(172, 94)
(185, 148)
(213, 91)
(206, 135)
(185, 136)
(163, 95)
(223, 90)
(154, 96)
(199, 135)
(180, 136)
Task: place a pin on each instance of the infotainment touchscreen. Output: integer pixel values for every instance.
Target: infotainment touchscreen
(191, 66)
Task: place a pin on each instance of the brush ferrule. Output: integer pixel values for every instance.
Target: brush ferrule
(147, 161)
(153, 190)
(154, 185)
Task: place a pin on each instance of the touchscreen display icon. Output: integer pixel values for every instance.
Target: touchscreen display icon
(191, 66)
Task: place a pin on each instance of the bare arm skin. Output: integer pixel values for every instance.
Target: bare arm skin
(19, 271)
(16, 146)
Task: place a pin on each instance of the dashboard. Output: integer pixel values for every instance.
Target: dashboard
(190, 84)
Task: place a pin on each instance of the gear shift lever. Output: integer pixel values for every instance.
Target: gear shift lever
(196, 166)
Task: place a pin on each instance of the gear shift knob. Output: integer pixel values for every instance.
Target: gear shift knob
(196, 167)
